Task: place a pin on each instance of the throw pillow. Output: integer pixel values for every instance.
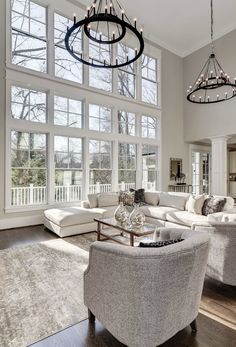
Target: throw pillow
(139, 197)
(127, 198)
(213, 205)
(195, 204)
(159, 243)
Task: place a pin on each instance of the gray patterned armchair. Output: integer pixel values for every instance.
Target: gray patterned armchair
(144, 296)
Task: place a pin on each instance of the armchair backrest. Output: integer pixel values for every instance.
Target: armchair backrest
(149, 292)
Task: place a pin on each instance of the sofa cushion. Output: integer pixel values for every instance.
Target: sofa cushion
(158, 212)
(110, 211)
(195, 204)
(173, 200)
(108, 199)
(151, 198)
(73, 215)
(229, 205)
(93, 200)
(185, 217)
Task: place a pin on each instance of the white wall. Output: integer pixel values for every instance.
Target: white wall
(205, 121)
(172, 125)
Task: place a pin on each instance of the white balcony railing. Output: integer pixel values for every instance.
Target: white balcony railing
(23, 196)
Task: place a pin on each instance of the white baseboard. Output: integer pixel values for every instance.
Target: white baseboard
(17, 222)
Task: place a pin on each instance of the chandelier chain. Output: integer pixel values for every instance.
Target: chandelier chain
(212, 28)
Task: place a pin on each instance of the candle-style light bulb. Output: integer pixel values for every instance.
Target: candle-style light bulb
(234, 80)
(88, 12)
(136, 51)
(135, 23)
(100, 36)
(94, 9)
(218, 97)
(200, 98)
(105, 9)
(208, 98)
(122, 14)
(211, 74)
(226, 95)
(113, 36)
(110, 8)
(74, 18)
(141, 31)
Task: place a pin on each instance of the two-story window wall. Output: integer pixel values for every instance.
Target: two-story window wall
(71, 129)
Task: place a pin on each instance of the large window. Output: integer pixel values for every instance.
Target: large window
(67, 112)
(126, 123)
(150, 167)
(28, 104)
(99, 118)
(68, 169)
(149, 79)
(100, 164)
(69, 128)
(149, 127)
(28, 168)
(65, 65)
(29, 38)
(126, 74)
(100, 78)
(127, 165)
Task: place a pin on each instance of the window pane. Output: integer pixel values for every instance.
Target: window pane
(126, 74)
(28, 173)
(100, 78)
(127, 165)
(150, 127)
(66, 66)
(150, 167)
(99, 118)
(68, 168)
(126, 123)
(29, 46)
(149, 92)
(67, 112)
(100, 163)
(149, 79)
(28, 104)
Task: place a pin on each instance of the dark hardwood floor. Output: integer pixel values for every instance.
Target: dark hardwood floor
(211, 333)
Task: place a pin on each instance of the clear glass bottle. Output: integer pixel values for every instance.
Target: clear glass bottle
(137, 217)
(121, 214)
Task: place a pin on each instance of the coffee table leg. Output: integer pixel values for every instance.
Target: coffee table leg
(99, 231)
(131, 240)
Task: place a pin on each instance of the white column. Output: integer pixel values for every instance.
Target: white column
(219, 165)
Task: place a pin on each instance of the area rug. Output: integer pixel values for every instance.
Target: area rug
(41, 290)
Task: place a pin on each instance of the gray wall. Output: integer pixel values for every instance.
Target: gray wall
(204, 121)
(172, 114)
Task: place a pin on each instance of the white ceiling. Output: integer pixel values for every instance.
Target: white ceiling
(182, 26)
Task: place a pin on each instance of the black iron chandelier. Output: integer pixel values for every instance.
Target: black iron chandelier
(212, 84)
(106, 25)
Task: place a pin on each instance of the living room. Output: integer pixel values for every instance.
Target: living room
(118, 175)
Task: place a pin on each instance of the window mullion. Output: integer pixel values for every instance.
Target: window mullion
(139, 168)
(115, 166)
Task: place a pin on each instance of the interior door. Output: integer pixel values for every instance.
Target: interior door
(201, 172)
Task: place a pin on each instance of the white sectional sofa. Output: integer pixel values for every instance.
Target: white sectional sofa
(163, 209)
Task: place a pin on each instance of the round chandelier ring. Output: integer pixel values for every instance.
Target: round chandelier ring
(85, 22)
(196, 101)
(105, 17)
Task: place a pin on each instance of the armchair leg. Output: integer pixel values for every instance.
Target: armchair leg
(193, 325)
(91, 316)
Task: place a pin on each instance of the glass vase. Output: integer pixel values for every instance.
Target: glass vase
(137, 217)
(121, 214)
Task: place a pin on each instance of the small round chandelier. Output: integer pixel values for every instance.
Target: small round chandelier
(105, 25)
(212, 84)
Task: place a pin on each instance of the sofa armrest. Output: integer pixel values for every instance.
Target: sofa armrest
(85, 204)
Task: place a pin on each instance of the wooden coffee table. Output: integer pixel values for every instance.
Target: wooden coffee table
(121, 233)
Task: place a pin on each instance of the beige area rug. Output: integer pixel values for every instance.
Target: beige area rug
(41, 290)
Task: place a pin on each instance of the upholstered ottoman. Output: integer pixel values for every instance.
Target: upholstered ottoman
(72, 220)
